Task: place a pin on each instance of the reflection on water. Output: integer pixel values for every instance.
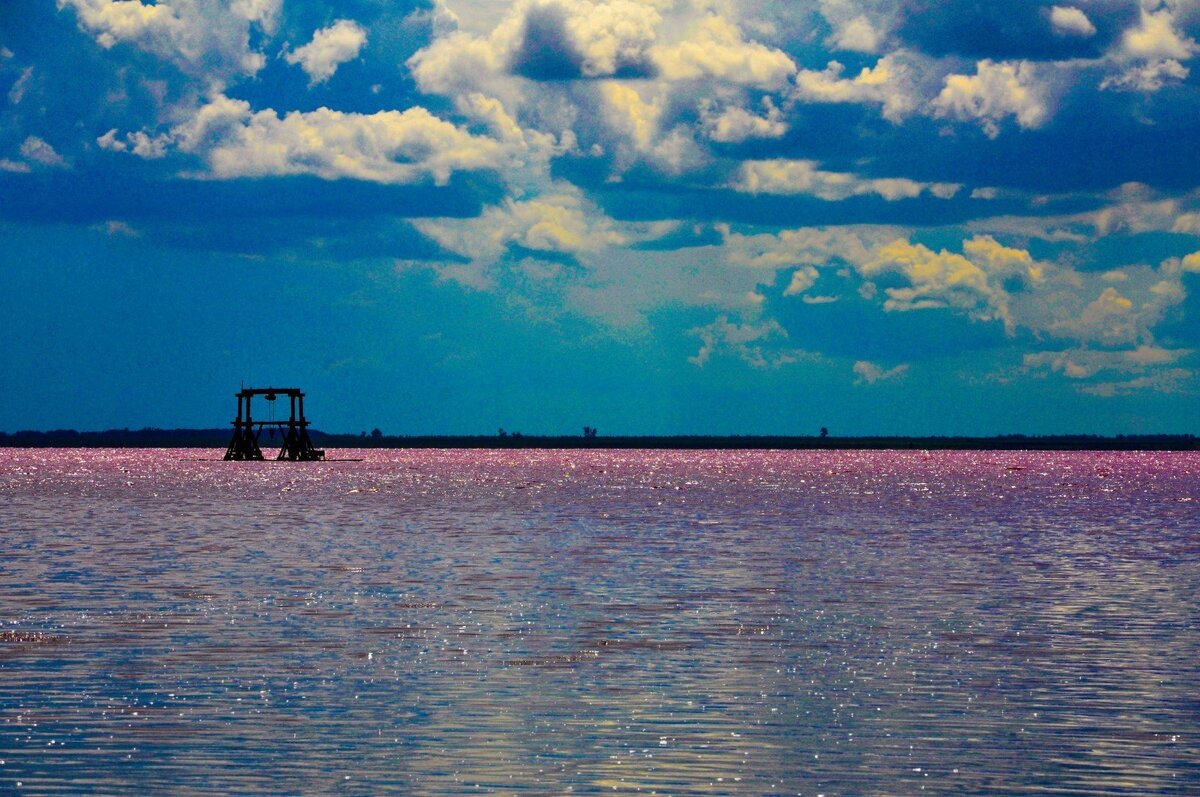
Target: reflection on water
(438, 622)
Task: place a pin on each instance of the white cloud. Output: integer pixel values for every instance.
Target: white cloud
(541, 39)
(1070, 21)
(205, 38)
(715, 48)
(751, 342)
(891, 83)
(612, 37)
(584, 39)
(16, 167)
(1155, 38)
(263, 12)
(734, 124)
(996, 90)
(36, 150)
(1134, 208)
(636, 121)
(1149, 77)
(139, 142)
(857, 26)
(858, 34)
(109, 141)
(937, 279)
(1110, 318)
(560, 220)
(1150, 54)
(115, 227)
(567, 64)
(330, 47)
(781, 176)
(869, 373)
(1083, 363)
(818, 246)
(147, 146)
(1151, 367)
(802, 279)
(17, 92)
(384, 147)
(1172, 380)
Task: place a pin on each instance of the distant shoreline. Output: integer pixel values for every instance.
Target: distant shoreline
(219, 438)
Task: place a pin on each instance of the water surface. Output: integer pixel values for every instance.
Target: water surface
(672, 622)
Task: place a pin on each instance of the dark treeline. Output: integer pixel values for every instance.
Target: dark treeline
(219, 438)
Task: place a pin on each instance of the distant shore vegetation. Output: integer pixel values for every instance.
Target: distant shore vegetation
(219, 438)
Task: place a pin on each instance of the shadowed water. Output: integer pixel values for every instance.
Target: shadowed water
(440, 622)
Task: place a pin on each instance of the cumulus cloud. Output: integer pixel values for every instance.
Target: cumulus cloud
(856, 25)
(1150, 53)
(1148, 77)
(1070, 21)
(38, 151)
(995, 91)
(109, 141)
(545, 40)
(566, 64)
(937, 279)
(561, 40)
(330, 47)
(868, 373)
(579, 39)
(1150, 368)
(202, 37)
(138, 142)
(1115, 308)
(1083, 363)
(819, 246)
(751, 342)
(1135, 208)
(637, 122)
(856, 34)
(395, 147)
(558, 221)
(890, 83)
(734, 124)
(1110, 318)
(1186, 222)
(802, 279)
(781, 176)
(1172, 380)
(661, 84)
(715, 48)
(1155, 38)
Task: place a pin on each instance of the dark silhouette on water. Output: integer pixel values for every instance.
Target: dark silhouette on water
(296, 443)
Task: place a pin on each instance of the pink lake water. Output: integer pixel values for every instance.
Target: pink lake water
(671, 622)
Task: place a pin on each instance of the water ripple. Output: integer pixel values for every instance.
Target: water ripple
(436, 622)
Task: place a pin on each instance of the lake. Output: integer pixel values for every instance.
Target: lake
(671, 622)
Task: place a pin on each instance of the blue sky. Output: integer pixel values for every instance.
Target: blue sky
(649, 217)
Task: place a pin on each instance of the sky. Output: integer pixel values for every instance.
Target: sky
(692, 217)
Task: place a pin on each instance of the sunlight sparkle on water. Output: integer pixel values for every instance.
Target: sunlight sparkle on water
(728, 622)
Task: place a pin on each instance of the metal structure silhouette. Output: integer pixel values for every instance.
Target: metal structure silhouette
(297, 447)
